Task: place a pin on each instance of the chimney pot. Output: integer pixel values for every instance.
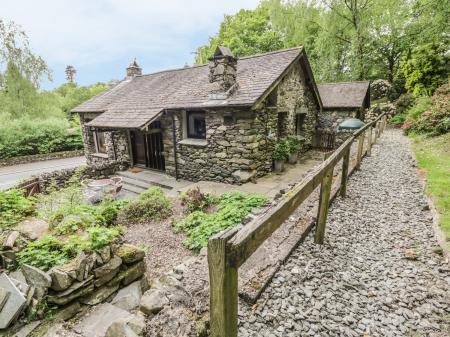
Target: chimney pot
(133, 70)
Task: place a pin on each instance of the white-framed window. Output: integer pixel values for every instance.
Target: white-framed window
(100, 143)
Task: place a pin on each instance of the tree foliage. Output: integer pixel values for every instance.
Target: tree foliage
(344, 39)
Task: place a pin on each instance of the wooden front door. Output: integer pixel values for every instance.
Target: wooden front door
(148, 148)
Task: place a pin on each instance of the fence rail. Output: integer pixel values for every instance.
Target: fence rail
(29, 187)
(228, 250)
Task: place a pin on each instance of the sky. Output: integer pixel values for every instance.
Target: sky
(101, 37)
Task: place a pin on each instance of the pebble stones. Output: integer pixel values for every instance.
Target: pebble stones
(377, 273)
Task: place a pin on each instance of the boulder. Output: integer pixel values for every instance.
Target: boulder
(105, 254)
(60, 279)
(37, 278)
(130, 254)
(128, 298)
(153, 301)
(10, 239)
(98, 321)
(34, 229)
(120, 328)
(244, 176)
(137, 323)
(107, 272)
(68, 311)
(15, 302)
(77, 265)
(99, 295)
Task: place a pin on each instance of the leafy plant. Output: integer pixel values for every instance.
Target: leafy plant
(232, 209)
(294, 143)
(99, 236)
(152, 204)
(43, 253)
(281, 151)
(14, 207)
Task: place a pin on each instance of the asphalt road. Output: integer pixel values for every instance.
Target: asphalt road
(11, 175)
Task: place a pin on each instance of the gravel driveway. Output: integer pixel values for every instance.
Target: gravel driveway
(379, 272)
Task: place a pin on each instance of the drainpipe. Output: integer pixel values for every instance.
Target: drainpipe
(174, 140)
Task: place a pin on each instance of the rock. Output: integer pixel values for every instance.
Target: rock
(18, 275)
(128, 298)
(137, 323)
(120, 328)
(105, 254)
(243, 176)
(4, 294)
(410, 254)
(60, 279)
(27, 329)
(68, 311)
(132, 273)
(153, 301)
(34, 229)
(99, 295)
(77, 265)
(10, 239)
(107, 271)
(15, 302)
(78, 289)
(37, 278)
(130, 254)
(98, 321)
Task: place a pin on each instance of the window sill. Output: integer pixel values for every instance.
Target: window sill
(100, 155)
(194, 142)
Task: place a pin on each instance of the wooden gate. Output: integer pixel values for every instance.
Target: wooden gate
(148, 148)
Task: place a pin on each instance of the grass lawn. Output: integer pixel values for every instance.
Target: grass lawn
(433, 155)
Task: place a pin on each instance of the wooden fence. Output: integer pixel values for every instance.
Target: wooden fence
(29, 187)
(228, 250)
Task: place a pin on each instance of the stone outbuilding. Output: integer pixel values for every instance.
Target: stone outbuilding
(217, 122)
(343, 100)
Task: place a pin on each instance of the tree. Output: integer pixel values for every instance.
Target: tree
(70, 74)
(15, 49)
(426, 68)
(246, 33)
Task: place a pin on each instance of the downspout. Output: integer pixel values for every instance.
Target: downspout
(174, 140)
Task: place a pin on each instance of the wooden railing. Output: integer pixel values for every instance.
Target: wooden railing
(29, 187)
(228, 250)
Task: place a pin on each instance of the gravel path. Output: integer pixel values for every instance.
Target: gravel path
(379, 272)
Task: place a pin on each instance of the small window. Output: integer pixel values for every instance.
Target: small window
(299, 123)
(281, 125)
(100, 144)
(196, 125)
(272, 99)
(228, 120)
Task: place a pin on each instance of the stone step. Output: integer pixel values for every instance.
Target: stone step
(138, 183)
(151, 179)
(132, 188)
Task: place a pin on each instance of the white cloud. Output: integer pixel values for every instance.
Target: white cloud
(91, 32)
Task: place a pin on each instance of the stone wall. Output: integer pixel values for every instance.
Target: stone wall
(117, 149)
(329, 119)
(87, 279)
(40, 157)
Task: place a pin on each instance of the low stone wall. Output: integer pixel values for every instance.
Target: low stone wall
(40, 157)
(61, 178)
(88, 279)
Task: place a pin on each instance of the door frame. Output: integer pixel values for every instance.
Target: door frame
(146, 134)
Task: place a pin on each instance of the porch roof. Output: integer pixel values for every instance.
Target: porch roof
(135, 102)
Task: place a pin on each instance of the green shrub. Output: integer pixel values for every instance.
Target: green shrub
(281, 151)
(14, 207)
(294, 144)
(404, 102)
(232, 209)
(99, 236)
(152, 204)
(43, 253)
(20, 137)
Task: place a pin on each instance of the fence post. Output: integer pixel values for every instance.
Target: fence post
(223, 287)
(324, 203)
(360, 150)
(384, 122)
(369, 141)
(344, 175)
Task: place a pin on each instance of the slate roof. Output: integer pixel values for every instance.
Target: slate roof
(343, 94)
(135, 102)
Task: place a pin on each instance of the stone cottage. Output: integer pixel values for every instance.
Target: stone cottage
(218, 121)
(341, 101)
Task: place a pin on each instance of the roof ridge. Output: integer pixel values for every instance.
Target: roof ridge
(240, 58)
(345, 82)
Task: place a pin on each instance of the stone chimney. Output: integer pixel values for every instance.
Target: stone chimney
(222, 69)
(133, 70)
